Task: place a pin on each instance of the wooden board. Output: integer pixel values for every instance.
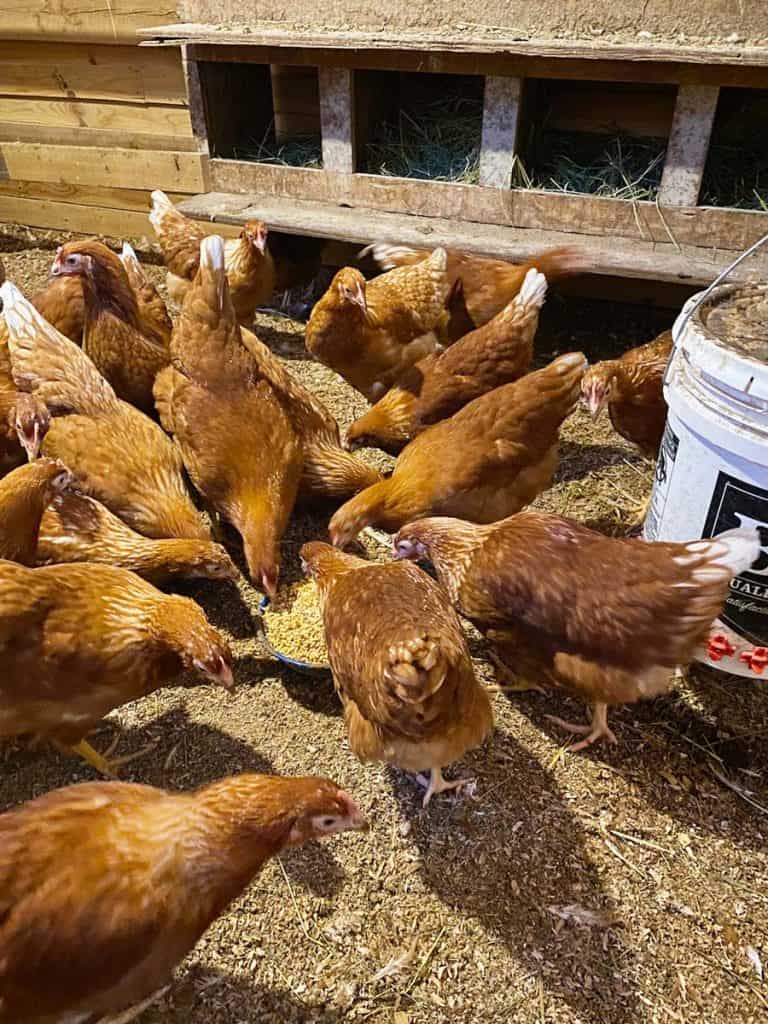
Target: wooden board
(108, 21)
(87, 165)
(688, 145)
(692, 265)
(105, 139)
(145, 118)
(131, 199)
(82, 71)
(731, 229)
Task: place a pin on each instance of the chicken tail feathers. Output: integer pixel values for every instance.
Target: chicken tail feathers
(161, 206)
(43, 361)
(133, 268)
(531, 296)
(561, 262)
(213, 273)
(390, 256)
(416, 669)
(735, 551)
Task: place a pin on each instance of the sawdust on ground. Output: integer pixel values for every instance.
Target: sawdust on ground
(624, 884)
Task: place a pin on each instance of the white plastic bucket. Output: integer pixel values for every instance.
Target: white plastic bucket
(712, 470)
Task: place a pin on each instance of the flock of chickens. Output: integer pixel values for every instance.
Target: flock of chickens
(108, 409)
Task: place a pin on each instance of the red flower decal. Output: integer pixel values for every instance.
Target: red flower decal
(756, 659)
(719, 646)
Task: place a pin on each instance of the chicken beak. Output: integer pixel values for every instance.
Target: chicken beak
(357, 821)
(31, 445)
(360, 299)
(220, 675)
(260, 240)
(594, 400)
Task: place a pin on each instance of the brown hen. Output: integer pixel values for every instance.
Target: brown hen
(632, 388)
(235, 434)
(75, 528)
(369, 333)
(605, 618)
(24, 496)
(486, 462)
(123, 349)
(117, 454)
(441, 384)
(250, 268)
(489, 285)
(77, 641)
(400, 665)
(105, 887)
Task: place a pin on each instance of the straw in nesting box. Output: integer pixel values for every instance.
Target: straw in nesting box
(298, 151)
(438, 142)
(619, 167)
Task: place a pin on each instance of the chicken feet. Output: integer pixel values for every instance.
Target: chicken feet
(104, 764)
(437, 784)
(597, 729)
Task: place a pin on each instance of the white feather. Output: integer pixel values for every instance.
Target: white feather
(737, 549)
(533, 291)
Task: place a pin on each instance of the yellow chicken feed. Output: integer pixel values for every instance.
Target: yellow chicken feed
(294, 624)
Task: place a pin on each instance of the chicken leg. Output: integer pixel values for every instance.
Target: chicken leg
(437, 784)
(597, 729)
(104, 764)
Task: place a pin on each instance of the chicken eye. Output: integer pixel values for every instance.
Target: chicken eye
(71, 260)
(327, 822)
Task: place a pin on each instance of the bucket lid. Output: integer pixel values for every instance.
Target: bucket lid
(727, 337)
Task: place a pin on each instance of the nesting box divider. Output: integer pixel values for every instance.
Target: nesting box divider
(337, 119)
(501, 116)
(688, 145)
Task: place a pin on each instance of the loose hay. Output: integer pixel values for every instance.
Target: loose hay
(294, 624)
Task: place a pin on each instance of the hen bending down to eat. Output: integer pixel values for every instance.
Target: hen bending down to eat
(486, 462)
(25, 494)
(605, 618)
(118, 455)
(105, 887)
(400, 664)
(78, 641)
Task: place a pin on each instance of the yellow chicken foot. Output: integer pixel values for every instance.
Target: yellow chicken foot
(514, 683)
(103, 763)
(437, 784)
(598, 728)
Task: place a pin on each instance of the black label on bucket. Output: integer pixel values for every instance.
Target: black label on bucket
(662, 479)
(736, 503)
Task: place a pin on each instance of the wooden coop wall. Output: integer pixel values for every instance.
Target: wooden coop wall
(89, 121)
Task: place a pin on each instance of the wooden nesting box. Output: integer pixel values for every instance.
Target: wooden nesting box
(250, 70)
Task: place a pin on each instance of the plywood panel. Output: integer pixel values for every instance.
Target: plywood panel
(86, 165)
(95, 137)
(108, 21)
(123, 117)
(133, 199)
(80, 71)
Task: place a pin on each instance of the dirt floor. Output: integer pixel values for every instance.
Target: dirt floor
(624, 884)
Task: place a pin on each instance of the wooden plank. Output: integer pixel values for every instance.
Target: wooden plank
(572, 49)
(86, 165)
(661, 261)
(91, 220)
(337, 119)
(90, 72)
(107, 21)
(535, 209)
(136, 200)
(195, 101)
(120, 117)
(501, 114)
(688, 145)
(94, 137)
(459, 62)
